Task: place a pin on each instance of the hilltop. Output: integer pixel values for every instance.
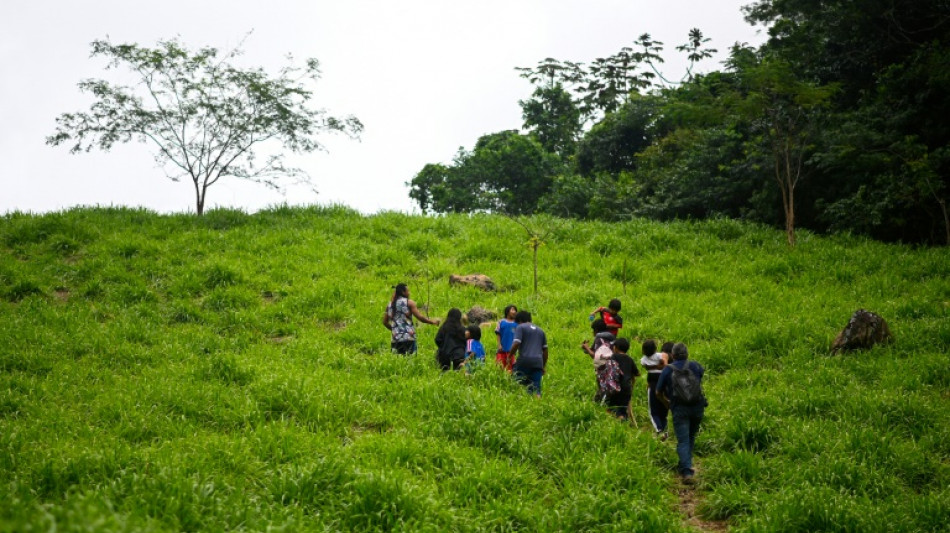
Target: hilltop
(167, 373)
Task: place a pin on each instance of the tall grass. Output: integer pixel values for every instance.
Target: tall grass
(165, 373)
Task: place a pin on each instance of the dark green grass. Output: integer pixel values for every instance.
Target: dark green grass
(166, 373)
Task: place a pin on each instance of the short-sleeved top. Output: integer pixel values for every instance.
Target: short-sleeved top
(653, 360)
(628, 371)
(401, 320)
(612, 320)
(506, 329)
(532, 341)
(665, 383)
(475, 348)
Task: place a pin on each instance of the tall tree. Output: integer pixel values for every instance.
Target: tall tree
(553, 118)
(206, 117)
(784, 113)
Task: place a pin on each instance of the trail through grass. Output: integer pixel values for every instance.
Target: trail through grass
(168, 373)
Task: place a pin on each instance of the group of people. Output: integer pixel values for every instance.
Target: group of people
(674, 383)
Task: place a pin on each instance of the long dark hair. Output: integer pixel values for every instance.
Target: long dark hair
(401, 290)
(453, 324)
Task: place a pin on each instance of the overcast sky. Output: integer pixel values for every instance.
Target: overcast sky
(424, 76)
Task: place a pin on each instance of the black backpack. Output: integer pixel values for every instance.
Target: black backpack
(687, 388)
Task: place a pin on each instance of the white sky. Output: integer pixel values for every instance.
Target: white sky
(424, 76)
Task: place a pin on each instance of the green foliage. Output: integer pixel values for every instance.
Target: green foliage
(230, 373)
(506, 172)
(843, 108)
(612, 144)
(553, 118)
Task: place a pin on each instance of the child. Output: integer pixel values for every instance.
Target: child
(611, 316)
(505, 332)
(654, 362)
(619, 402)
(474, 351)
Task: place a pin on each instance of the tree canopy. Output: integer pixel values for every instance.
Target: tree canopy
(836, 123)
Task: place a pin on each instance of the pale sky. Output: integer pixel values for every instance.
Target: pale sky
(424, 76)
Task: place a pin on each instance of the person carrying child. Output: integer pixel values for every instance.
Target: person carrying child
(653, 362)
(611, 316)
(505, 332)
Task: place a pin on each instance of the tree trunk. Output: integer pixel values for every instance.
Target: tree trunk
(199, 198)
(946, 220)
(536, 244)
(790, 217)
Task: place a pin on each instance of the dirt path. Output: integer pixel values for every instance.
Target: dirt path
(689, 495)
(689, 499)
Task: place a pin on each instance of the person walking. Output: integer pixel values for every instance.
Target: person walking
(598, 352)
(654, 362)
(618, 402)
(680, 387)
(398, 319)
(451, 341)
(505, 332)
(611, 316)
(532, 360)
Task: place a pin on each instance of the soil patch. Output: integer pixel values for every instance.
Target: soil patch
(689, 500)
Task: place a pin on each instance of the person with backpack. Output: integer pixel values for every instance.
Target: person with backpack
(680, 386)
(398, 320)
(599, 351)
(618, 399)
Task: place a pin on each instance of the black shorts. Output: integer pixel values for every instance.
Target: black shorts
(404, 347)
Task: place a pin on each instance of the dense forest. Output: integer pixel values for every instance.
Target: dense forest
(837, 123)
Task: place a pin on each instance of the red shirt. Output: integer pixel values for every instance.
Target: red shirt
(613, 321)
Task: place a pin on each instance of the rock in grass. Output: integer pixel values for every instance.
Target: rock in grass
(476, 280)
(864, 330)
(478, 315)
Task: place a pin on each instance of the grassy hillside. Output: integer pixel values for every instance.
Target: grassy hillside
(165, 373)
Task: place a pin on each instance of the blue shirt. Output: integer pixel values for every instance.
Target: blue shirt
(665, 383)
(505, 328)
(475, 348)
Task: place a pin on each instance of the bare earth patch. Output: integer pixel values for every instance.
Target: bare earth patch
(689, 500)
